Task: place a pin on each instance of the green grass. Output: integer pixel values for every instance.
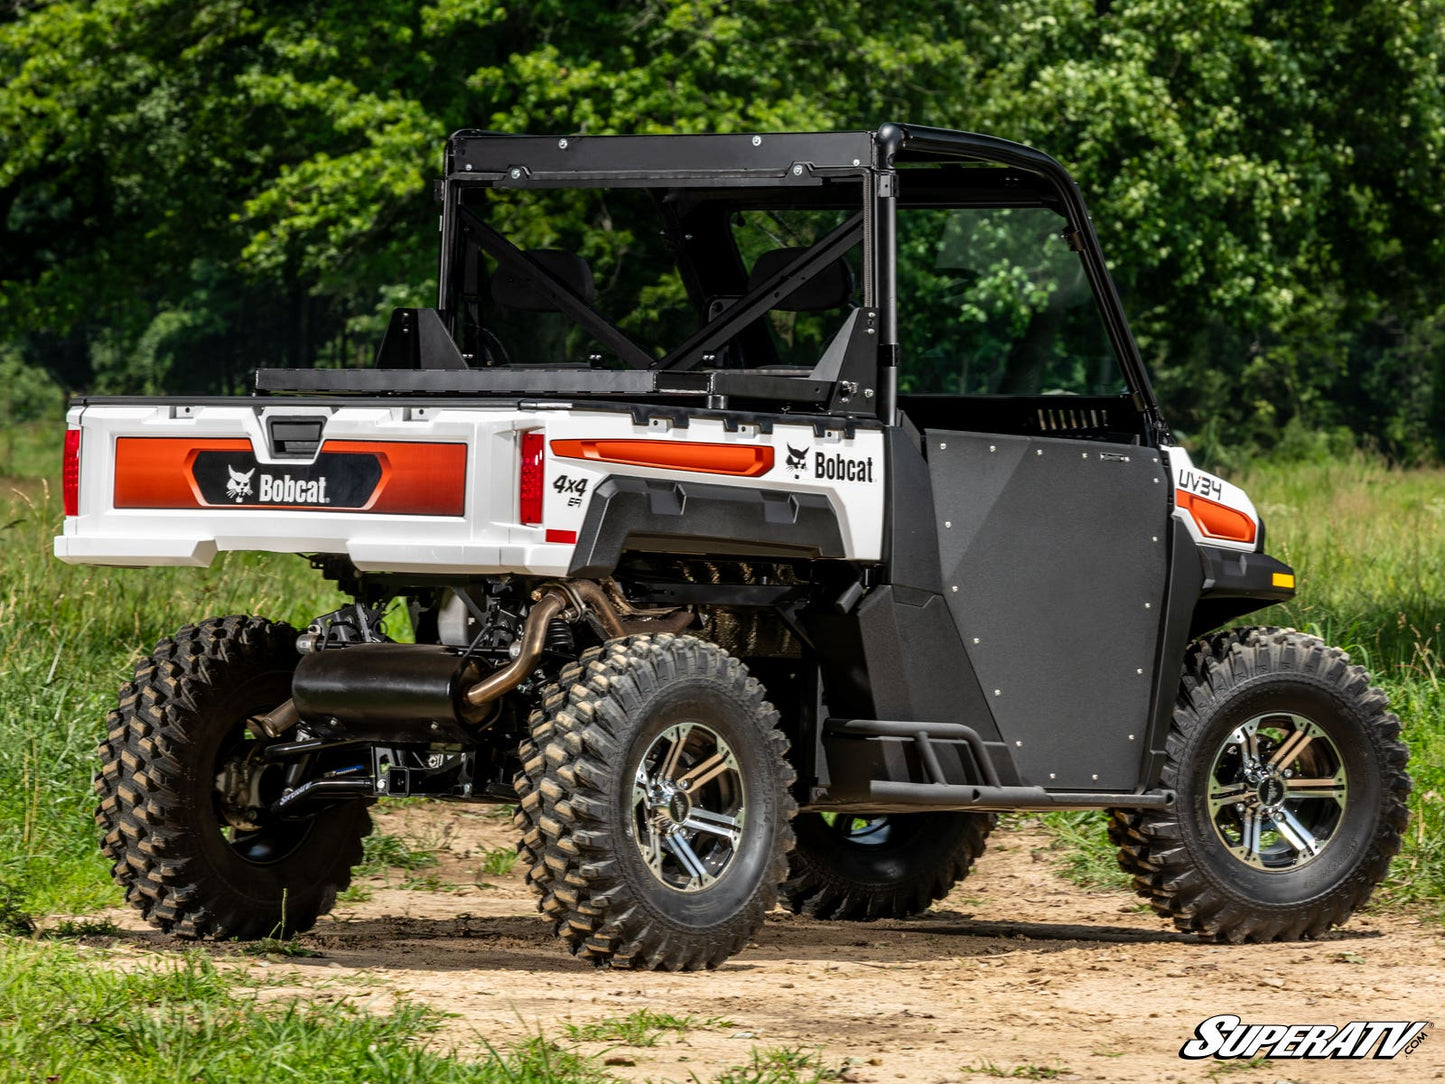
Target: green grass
(641, 1028)
(382, 852)
(31, 449)
(1017, 1072)
(66, 1016)
(1368, 547)
(779, 1065)
(69, 637)
(499, 861)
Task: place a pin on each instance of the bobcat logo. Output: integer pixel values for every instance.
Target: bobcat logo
(797, 460)
(239, 487)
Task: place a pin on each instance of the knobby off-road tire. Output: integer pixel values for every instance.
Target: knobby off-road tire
(633, 867)
(1291, 787)
(861, 868)
(187, 713)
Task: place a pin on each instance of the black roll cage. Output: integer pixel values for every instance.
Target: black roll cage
(784, 169)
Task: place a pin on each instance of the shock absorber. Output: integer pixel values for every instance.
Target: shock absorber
(559, 639)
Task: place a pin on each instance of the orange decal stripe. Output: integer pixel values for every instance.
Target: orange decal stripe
(155, 472)
(1216, 520)
(418, 478)
(739, 460)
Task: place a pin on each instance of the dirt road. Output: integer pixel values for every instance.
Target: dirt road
(1017, 973)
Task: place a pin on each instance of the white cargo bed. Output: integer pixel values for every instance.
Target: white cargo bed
(417, 488)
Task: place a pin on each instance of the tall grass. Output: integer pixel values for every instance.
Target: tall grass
(68, 639)
(1368, 546)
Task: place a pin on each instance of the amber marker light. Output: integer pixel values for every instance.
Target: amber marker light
(739, 460)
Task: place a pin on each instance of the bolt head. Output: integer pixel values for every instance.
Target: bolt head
(516, 173)
(797, 171)
(757, 141)
(561, 144)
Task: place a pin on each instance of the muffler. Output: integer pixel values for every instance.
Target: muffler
(388, 692)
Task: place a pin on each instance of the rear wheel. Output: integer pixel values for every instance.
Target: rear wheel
(886, 866)
(185, 791)
(1291, 787)
(663, 818)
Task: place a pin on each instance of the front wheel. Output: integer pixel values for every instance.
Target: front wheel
(662, 826)
(1291, 787)
(185, 791)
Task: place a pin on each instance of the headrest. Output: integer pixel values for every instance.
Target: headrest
(830, 288)
(512, 287)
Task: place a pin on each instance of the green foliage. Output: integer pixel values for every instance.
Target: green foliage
(779, 1065)
(499, 861)
(191, 190)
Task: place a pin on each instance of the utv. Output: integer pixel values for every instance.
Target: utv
(763, 514)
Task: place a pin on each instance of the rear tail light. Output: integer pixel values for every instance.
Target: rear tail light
(1216, 520)
(70, 477)
(529, 485)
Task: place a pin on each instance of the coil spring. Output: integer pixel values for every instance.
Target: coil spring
(559, 637)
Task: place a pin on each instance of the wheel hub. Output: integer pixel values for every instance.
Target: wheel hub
(688, 807)
(1277, 791)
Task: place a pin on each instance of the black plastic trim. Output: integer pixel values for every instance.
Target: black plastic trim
(651, 516)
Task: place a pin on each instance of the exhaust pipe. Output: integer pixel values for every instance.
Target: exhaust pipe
(498, 683)
(426, 693)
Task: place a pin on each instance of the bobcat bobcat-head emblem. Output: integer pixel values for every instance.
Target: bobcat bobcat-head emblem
(239, 487)
(797, 458)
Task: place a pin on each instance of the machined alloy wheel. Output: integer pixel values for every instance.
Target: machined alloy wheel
(1290, 785)
(655, 804)
(1277, 792)
(689, 806)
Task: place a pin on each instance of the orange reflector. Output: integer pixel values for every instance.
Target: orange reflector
(1282, 579)
(741, 460)
(1216, 520)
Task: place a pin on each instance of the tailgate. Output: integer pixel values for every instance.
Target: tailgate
(425, 489)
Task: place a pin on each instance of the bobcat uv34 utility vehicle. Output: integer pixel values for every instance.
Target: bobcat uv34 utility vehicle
(767, 513)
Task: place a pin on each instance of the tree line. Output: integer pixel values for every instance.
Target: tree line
(194, 189)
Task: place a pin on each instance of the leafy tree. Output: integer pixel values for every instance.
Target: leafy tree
(192, 190)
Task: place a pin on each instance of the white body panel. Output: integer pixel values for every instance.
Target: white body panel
(1190, 479)
(487, 538)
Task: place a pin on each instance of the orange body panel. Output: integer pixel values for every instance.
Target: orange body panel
(1216, 520)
